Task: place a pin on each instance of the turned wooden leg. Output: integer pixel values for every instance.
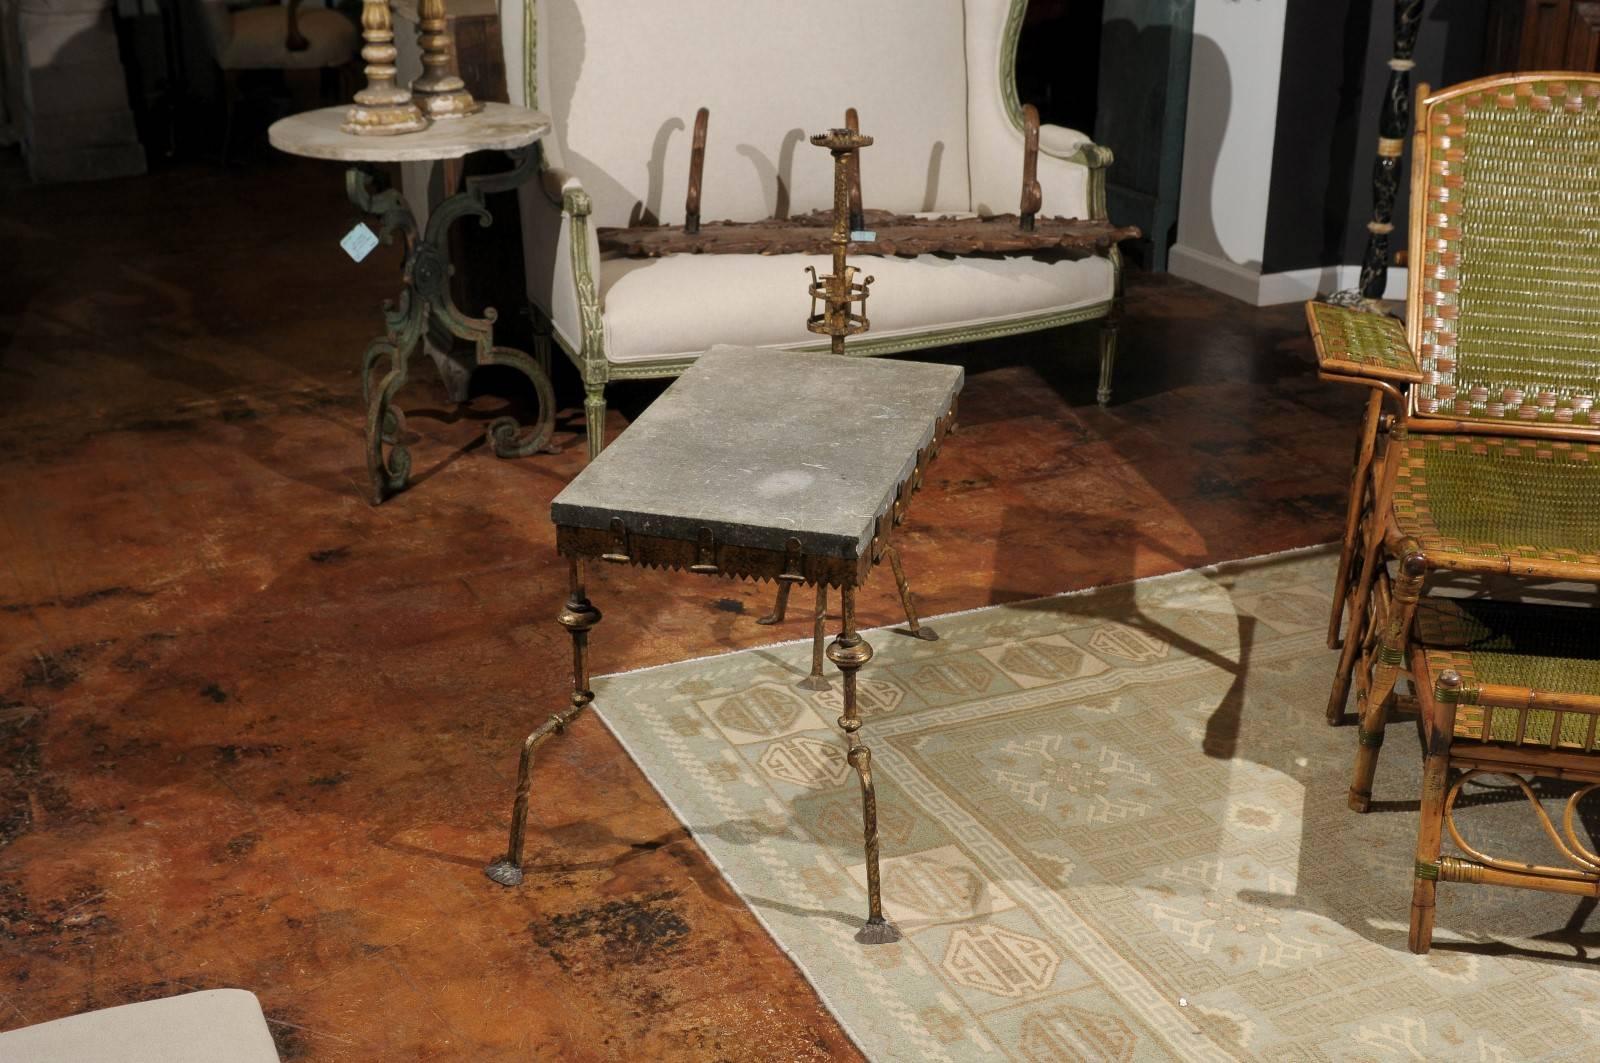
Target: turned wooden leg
(1108, 356)
(1390, 656)
(594, 417)
(849, 651)
(578, 616)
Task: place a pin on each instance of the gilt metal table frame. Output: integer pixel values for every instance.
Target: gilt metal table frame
(425, 309)
(790, 567)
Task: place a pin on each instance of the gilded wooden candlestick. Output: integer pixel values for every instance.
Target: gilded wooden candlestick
(439, 92)
(383, 108)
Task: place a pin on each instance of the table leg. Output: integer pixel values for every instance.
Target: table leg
(780, 607)
(578, 616)
(816, 680)
(849, 651)
(927, 634)
(426, 308)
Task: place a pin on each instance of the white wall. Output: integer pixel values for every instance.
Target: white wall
(1229, 129)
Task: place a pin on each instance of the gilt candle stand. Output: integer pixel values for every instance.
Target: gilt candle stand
(839, 290)
(425, 309)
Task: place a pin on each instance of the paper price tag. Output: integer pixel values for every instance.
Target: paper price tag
(359, 241)
(863, 236)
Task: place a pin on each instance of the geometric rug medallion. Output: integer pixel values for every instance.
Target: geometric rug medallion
(1113, 827)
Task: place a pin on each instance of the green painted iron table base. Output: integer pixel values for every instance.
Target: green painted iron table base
(426, 311)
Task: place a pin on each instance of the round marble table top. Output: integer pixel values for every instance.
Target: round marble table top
(498, 127)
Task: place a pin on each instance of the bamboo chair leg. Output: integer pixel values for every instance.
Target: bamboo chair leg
(1397, 624)
(1355, 632)
(1352, 517)
(1388, 658)
(1435, 774)
(1372, 719)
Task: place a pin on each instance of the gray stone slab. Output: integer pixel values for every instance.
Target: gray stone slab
(762, 446)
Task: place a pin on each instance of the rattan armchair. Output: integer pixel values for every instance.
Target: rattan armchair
(1489, 460)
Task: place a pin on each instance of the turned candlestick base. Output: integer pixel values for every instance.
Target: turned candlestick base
(382, 108)
(444, 103)
(439, 93)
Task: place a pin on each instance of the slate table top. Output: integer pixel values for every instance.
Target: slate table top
(761, 446)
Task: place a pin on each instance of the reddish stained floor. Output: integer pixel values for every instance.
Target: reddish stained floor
(258, 733)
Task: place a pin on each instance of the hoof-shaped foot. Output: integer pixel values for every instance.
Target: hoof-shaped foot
(769, 619)
(926, 634)
(504, 872)
(813, 682)
(878, 931)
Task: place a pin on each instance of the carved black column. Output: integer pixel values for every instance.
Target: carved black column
(1392, 129)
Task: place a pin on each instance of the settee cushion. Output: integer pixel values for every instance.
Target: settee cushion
(202, 1027)
(658, 309)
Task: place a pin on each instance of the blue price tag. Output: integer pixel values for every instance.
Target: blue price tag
(359, 241)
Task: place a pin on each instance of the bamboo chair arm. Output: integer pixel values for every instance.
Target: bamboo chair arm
(1353, 343)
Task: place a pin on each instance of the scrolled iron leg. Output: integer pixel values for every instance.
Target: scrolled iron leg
(385, 427)
(505, 435)
(816, 680)
(849, 651)
(780, 607)
(927, 634)
(577, 616)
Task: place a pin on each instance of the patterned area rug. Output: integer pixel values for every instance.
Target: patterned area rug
(1114, 827)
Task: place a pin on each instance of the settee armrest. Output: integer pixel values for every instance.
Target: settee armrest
(1354, 343)
(561, 254)
(1059, 142)
(557, 183)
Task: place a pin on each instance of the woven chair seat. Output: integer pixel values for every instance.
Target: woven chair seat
(1491, 497)
(1507, 651)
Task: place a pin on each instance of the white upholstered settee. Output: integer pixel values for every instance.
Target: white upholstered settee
(934, 83)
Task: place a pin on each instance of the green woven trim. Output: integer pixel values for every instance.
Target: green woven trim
(1510, 222)
(1427, 871)
(1370, 739)
(1357, 343)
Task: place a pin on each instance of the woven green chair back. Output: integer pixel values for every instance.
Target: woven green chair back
(1505, 238)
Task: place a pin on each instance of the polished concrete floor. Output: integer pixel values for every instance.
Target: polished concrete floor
(259, 733)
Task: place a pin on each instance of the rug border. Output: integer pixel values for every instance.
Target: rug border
(711, 857)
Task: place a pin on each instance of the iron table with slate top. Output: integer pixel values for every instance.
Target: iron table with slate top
(764, 465)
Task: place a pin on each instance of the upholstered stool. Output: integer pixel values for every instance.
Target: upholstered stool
(203, 1027)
